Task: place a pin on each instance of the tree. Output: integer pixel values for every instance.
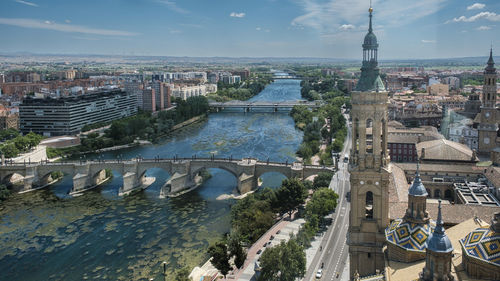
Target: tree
(21, 143)
(323, 201)
(182, 274)
(8, 134)
(284, 262)
(236, 250)
(220, 257)
(10, 150)
(291, 195)
(33, 139)
(322, 180)
(4, 192)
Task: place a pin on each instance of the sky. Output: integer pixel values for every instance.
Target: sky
(406, 29)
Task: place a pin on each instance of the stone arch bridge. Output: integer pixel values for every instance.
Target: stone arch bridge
(183, 172)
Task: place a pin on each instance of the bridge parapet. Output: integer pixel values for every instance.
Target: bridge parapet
(183, 172)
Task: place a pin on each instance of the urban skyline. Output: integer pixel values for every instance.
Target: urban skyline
(269, 28)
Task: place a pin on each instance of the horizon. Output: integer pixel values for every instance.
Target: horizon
(319, 29)
(20, 54)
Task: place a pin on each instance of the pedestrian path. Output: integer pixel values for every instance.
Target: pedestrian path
(285, 229)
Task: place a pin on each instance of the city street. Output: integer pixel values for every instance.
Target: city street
(333, 251)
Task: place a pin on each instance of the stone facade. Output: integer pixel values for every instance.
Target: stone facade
(488, 122)
(369, 166)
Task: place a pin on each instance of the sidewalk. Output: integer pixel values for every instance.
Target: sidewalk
(285, 227)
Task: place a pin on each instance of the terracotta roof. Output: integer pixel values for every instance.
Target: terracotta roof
(442, 168)
(398, 188)
(444, 150)
(395, 124)
(397, 138)
(493, 175)
(452, 213)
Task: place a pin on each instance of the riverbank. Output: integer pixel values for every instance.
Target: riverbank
(58, 153)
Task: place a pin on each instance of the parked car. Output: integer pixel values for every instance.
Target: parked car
(272, 237)
(278, 232)
(259, 251)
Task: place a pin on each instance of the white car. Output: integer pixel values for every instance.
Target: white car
(319, 273)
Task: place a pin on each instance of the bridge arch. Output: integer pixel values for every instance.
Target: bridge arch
(12, 178)
(109, 181)
(214, 165)
(49, 178)
(271, 179)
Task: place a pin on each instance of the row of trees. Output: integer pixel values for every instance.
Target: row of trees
(144, 126)
(147, 126)
(241, 91)
(14, 143)
(253, 215)
(312, 122)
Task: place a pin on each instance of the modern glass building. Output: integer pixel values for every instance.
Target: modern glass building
(67, 115)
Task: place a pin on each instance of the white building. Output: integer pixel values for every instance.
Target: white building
(464, 132)
(185, 92)
(452, 81)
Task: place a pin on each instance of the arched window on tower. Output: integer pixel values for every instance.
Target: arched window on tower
(369, 136)
(356, 137)
(447, 194)
(369, 205)
(437, 193)
(383, 144)
(488, 96)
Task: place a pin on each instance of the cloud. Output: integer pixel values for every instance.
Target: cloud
(27, 3)
(50, 25)
(237, 15)
(483, 15)
(328, 17)
(483, 27)
(258, 29)
(428, 41)
(347, 27)
(173, 6)
(67, 21)
(476, 6)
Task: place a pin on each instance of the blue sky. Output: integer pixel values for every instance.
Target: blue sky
(250, 28)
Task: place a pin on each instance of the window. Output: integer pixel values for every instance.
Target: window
(437, 193)
(369, 205)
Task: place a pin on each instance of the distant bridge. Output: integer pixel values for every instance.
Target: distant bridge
(275, 106)
(184, 172)
(280, 77)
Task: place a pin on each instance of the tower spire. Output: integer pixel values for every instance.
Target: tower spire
(370, 29)
(439, 223)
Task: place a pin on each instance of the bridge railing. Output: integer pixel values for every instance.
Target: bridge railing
(158, 159)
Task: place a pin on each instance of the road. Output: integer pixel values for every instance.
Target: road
(334, 251)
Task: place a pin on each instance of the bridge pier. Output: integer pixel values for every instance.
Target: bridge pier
(132, 183)
(177, 183)
(246, 183)
(81, 183)
(28, 182)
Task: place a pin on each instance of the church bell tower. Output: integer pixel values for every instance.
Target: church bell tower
(488, 124)
(369, 165)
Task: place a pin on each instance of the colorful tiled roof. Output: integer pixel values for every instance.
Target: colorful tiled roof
(407, 235)
(484, 244)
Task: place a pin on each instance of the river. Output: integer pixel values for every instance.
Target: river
(47, 234)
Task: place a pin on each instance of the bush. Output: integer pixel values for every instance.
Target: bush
(4, 192)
